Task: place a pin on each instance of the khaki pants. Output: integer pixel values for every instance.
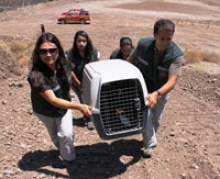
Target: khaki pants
(61, 133)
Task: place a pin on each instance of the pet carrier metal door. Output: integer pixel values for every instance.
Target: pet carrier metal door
(116, 90)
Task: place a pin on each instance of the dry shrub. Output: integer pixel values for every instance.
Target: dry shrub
(24, 61)
(4, 44)
(21, 51)
(21, 59)
(18, 45)
(210, 57)
(196, 56)
(192, 56)
(18, 48)
(200, 68)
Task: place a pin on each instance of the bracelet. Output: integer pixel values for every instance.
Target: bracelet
(159, 94)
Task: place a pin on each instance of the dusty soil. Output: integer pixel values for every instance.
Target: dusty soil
(189, 137)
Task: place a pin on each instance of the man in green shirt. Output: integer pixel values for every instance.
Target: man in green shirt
(159, 60)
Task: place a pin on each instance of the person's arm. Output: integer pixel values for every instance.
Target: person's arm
(111, 57)
(168, 86)
(64, 104)
(174, 72)
(133, 56)
(98, 55)
(77, 83)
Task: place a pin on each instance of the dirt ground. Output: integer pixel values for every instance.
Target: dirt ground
(189, 136)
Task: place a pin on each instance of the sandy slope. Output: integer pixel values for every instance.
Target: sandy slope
(189, 134)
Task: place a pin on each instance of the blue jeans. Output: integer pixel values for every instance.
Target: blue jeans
(153, 118)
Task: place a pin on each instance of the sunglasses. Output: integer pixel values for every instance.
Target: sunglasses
(49, 50)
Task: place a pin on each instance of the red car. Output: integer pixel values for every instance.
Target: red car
(74, 16)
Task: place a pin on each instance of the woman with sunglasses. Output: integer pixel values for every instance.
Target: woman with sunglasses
(81, 53)
(50, 95)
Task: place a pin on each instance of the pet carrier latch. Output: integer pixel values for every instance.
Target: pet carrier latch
(95, 111)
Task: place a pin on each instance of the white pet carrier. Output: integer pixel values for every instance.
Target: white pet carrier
(115, 89)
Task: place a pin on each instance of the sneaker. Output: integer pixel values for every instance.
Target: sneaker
(90, 125)
(154, 145)
(147, 152)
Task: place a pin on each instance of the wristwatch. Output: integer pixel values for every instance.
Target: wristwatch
(159, 94)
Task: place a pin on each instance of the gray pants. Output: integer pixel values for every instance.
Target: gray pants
(60, 130)
(153, 118)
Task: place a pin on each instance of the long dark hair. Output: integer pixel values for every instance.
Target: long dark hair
(89, 47)
(39, 66)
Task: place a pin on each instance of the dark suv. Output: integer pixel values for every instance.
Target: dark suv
(74, 16)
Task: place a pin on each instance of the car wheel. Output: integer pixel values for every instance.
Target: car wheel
(63, 22)
(82, 21)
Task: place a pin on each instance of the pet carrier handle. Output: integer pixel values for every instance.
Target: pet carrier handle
(146, 102)
(95, 111)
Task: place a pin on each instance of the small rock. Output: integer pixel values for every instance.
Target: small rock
(183, 175)
(194, 166)
(4, 102)
(172, 133)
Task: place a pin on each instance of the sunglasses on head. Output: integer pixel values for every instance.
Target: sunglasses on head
(49, 50)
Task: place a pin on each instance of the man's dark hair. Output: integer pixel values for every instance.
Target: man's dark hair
(164, 24)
